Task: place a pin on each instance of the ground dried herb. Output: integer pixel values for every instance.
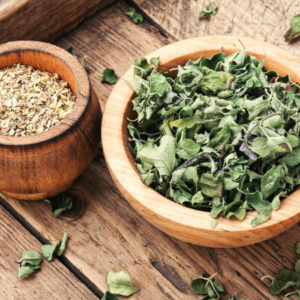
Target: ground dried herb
(32, 101)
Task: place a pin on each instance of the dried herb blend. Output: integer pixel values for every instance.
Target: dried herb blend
(32, 101)
(222, 136)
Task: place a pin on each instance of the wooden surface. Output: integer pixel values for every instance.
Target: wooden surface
(181, 222)
(43, 20)
(54, 281)
(47, 164)
(110, 234)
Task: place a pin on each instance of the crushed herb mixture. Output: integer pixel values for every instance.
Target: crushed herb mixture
(222, 136)
(32, 101)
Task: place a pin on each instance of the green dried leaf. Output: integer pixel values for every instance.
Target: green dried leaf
(213, 81)
(60, 203)
(210, 186)
(119, 283)
(213, 224)
(155, 61)
(137, 18)
(30, 255)
(270, 181)
(297, 292)
(141, 67)
(283, 280)
(70, 49)
(109, 296)
(210, 10)
(48, 251)
(297, 249)
(162, 157)
(61, 246)
(109, 76)
(295, 27)
(23, 271)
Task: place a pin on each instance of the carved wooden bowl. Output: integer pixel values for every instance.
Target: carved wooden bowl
(181, 222)
(46, 164)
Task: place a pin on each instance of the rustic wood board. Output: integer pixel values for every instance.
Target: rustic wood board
(110, 234)
(266, 20)
(43, 20)
(54, 281)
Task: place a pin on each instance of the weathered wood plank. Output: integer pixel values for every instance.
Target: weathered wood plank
(43, 20)
(110, 234)
(266, 20)
(54, 281)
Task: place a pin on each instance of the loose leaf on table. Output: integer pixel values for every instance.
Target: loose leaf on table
(109, 76)
(297, 292)
(137, 18)
(30, 261)
(119, 283)
(297, 249)
(155, 61)
(49, 250)
(210, 10)
(295, 27)
(109, 296)
(283, 280)
(27, 270)
(206, 285)
(60, 203)
(70, 49)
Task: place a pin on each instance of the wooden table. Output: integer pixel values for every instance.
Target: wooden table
(105, 232)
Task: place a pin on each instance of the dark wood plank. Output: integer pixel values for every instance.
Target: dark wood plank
(54, 281)
(43, 20)
(110, 234)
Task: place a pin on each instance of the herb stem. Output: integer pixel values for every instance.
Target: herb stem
(190, 160)
(262, 120)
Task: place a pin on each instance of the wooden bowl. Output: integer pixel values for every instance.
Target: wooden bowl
(181, 222)
(44, 165)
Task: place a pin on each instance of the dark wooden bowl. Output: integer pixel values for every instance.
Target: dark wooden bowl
(46, 164)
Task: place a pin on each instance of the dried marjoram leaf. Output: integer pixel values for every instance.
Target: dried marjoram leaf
(217, 137)
(32, 101)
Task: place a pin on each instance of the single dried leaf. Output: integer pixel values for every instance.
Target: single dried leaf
(119, 283)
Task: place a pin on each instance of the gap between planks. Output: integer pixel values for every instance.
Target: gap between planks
(148, 18)
(77, 273)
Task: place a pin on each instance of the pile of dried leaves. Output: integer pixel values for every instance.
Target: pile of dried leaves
(223, 136)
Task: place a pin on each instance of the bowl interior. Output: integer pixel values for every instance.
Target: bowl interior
(269, 64)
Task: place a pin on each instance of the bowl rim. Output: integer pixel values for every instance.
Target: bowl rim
(82, 84)
(184, 223)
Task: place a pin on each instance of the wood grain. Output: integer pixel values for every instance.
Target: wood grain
(265, 20)
(47, 164)
(110, 234)
(43, 20)
(54, 281)
(187, 224)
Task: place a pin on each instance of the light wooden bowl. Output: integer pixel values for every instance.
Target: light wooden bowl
(181, 222)
(44, 165)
